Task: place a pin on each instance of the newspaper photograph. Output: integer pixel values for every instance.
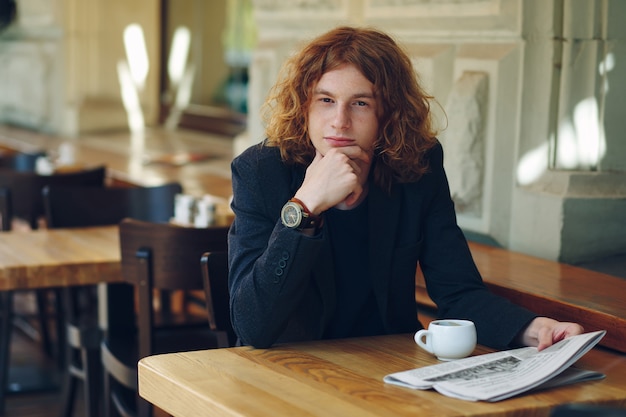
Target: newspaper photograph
(499, 375)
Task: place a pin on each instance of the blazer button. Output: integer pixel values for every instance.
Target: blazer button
(284, 255)
(282, 263)
(278, 272)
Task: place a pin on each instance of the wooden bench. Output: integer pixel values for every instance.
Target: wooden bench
(567, 293)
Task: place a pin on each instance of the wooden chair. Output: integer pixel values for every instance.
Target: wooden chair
(154, 256)
(21, 196)
(215, 279)
(18, 162)
(82, 206)
(23, 191)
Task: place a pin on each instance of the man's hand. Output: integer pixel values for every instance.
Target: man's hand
(337, 177)
(544, 332)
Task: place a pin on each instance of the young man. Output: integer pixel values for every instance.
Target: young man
(334, 210)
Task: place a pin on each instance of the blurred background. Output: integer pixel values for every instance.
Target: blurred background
(529, 95)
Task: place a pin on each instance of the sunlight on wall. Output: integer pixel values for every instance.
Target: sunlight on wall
(182, 98)
(132, 73)
(581, 141)
(130, 98)
(605, 67)
(181, 75)
(136, 54)
(177, 60)
(532, 165)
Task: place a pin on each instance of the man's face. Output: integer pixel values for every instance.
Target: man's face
(343, 111)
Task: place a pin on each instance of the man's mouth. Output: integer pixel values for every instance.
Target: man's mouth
(337, 141)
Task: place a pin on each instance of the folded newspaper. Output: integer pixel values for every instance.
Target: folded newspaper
(500, 375)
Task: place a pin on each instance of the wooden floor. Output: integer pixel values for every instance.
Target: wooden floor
(26, 354)
(36, 404)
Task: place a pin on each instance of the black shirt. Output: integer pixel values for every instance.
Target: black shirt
(357, 313)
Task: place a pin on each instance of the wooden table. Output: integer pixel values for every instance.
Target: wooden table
(50, 258)
(341, 378)
(59, 257)
(135, 159)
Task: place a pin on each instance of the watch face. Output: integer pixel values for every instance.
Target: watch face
(291, 215)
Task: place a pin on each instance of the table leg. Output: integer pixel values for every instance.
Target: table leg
(6, 301)
(23, 378)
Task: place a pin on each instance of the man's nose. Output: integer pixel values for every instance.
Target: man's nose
(341, 118)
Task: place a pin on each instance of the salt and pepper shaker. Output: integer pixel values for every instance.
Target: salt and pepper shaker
(43, 166)
(205, 211)
(183, 209)
(192, 211)
(65, 154)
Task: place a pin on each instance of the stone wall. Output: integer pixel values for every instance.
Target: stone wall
(60, 64)
(31, 66)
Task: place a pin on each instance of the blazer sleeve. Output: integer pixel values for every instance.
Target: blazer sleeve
(452, 279)
(269, 263)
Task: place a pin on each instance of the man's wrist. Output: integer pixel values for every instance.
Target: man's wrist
(308, 205)
(296, 215)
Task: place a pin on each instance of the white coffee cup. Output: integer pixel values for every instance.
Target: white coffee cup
(448, 339)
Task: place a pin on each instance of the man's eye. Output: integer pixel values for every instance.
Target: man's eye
(361, 103)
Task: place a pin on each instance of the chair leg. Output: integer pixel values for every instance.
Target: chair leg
(6, 311)
(42, 310)
(91, 368)
(69, 395)
(62, 317)
(106, 392)
(82, 338)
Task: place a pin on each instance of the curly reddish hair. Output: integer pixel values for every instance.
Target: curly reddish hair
(406, 132)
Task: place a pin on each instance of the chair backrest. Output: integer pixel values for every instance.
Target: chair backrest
(22, 192)
(215, 277)
(166, 257)
(23, 162)
(82, 206)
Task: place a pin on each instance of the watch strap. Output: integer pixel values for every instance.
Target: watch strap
(309, 220)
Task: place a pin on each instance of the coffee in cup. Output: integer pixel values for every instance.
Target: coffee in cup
(448, 339)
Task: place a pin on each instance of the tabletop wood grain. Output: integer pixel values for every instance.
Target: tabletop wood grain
(59, 257)
(341, 378)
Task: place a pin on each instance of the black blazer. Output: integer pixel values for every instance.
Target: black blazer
(282, 282)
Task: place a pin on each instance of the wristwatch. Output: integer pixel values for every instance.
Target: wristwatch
(296, 215)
